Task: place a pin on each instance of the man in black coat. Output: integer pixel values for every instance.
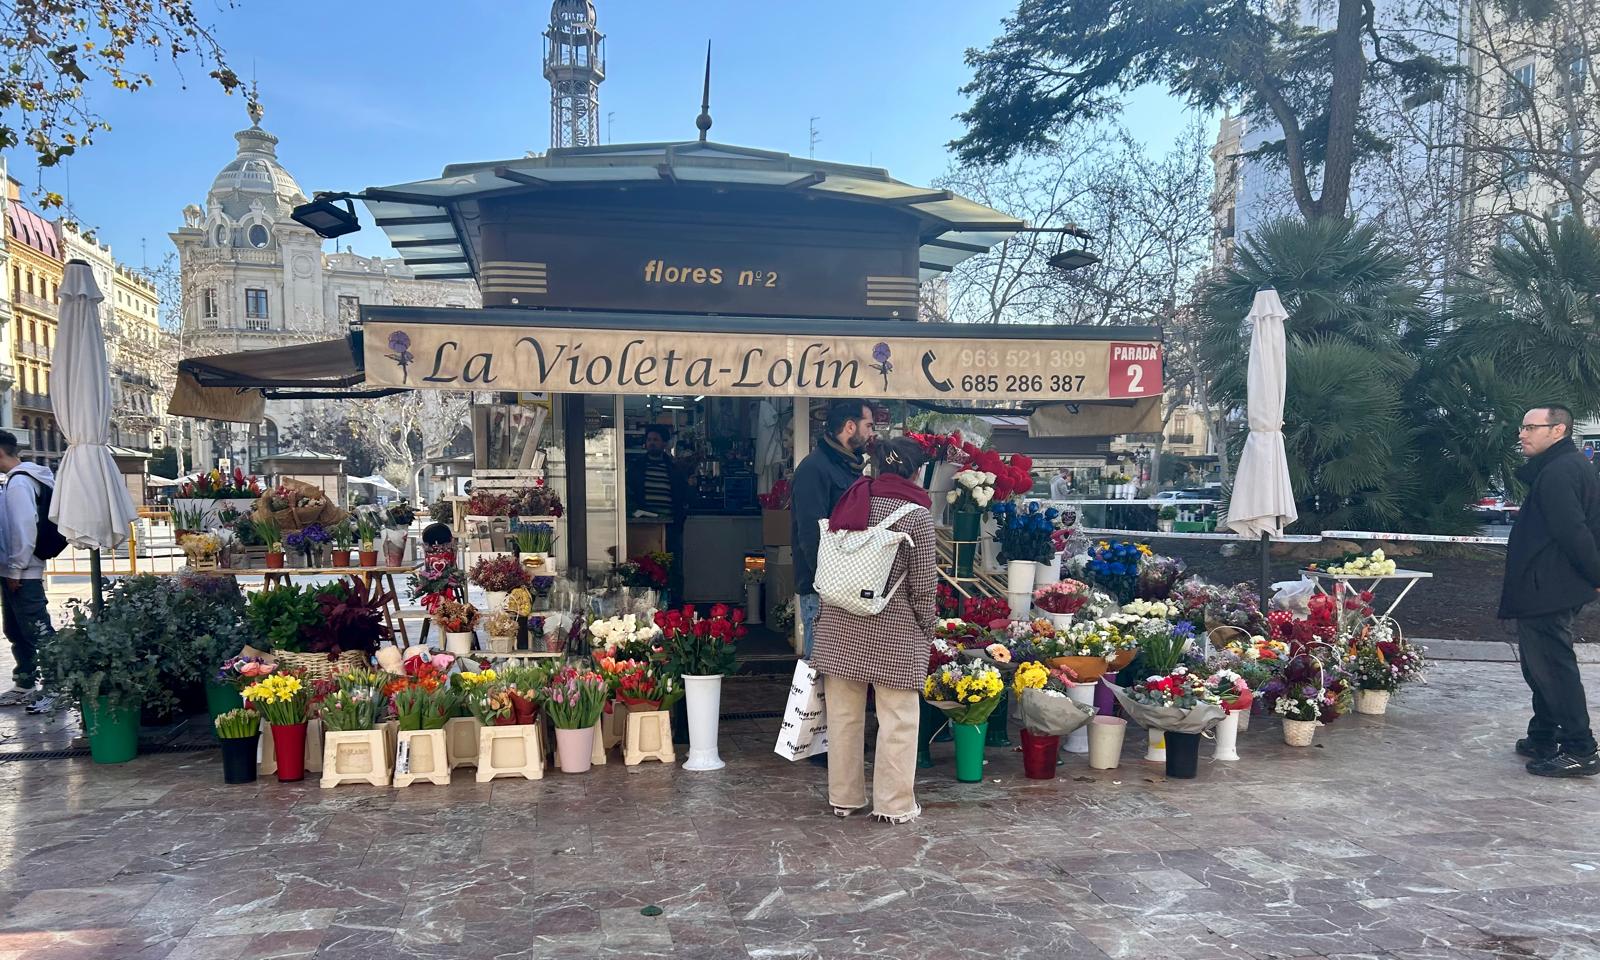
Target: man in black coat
(819, 481)
(1552, 570)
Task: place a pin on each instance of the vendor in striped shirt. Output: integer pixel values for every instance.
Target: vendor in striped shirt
(657, 486)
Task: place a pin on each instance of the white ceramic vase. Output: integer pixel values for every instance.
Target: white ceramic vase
(1020, 577)
(1227, 735)
(703, 701)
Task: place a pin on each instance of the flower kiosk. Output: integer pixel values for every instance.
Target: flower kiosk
(686, 311)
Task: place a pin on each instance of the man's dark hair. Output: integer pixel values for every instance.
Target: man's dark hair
(901, 456)
(8, 443)
(841, 412)
(1562, 414)
(661, 430)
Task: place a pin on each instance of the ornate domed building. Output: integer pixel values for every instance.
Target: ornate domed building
(253, 278)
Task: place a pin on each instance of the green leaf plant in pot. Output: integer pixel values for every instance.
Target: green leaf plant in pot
(107, 668)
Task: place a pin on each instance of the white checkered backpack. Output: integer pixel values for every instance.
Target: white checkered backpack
(853, 565)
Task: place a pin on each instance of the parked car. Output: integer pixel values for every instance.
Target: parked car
(1495, 508)
(1173, 496)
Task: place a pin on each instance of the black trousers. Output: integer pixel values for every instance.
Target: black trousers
(1550, 665)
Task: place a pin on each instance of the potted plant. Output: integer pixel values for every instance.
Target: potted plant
(277, 616)
(534, 542)
(367, 532)
(201, 550)
(238, 730)
(1236, 696)
(343, 538)
(699, 652)
(974, 490)
(349, 625)
(1182, 707)
(505, 748)
(396, 527)
(354, 751)
(1165, 518)
(1048, 714)
(282, 700)
(202, 499)
(1061, 600)
(1024, 535)
(498, 575)
(967, 692)
(423, 744)
(1306, 694)
(269, 532)
(1383, 664)
(106, 667)
(457, 620)
(574, 700)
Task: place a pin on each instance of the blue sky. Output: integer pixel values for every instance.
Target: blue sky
(365, 94)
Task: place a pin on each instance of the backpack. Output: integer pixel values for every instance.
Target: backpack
(853, 565)
(48, 541)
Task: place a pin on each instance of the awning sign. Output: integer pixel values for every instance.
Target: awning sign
(587, 360)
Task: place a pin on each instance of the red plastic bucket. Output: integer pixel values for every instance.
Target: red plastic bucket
(1039, 755)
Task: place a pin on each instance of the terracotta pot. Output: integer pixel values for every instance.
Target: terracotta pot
(369, 558)
(1088, 669)
(274, 561)
(341, 558)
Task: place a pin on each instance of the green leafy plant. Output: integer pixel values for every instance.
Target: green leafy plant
(367, 530)
(188, 518)
(343, 535)
(278, 616)
(269, 532)
(117, 657)
(347, 619)
(345, 711)
(1168, 513)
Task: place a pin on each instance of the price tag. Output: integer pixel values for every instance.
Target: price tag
(402, 760)
(1135, 370)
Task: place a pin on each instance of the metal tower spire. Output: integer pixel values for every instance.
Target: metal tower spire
(574, 63)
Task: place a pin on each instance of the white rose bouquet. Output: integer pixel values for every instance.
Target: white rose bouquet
(614, 632)
(974, 489)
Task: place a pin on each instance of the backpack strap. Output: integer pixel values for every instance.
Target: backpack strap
(895, 517)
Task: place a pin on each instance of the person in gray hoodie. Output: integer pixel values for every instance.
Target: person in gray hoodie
(22, 601)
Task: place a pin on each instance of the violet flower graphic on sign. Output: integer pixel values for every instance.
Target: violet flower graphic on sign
(880, 353)
(400, 343)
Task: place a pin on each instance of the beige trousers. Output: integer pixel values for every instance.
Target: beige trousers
(895, 765)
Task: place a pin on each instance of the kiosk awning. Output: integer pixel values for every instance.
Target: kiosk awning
(234, 387)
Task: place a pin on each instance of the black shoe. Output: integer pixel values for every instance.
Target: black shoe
(1565, 764)
(818, 759)
(1537, 749)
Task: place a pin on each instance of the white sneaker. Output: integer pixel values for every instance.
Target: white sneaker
(42, 704)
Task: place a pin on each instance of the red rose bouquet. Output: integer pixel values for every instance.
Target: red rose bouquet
(692, 645)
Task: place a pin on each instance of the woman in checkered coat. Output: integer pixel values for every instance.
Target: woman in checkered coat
(888, 650)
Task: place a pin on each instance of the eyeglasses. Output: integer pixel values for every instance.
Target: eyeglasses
(1534, 426)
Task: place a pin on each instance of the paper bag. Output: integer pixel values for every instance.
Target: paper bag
(805, 718)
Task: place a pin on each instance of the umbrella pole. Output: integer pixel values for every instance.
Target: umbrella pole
(1266, 568)
(94, 581)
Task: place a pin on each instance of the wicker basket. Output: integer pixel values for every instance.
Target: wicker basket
(1299, 733)
(317, 666)
(1372, 702)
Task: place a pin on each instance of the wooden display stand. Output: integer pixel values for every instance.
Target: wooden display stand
(649, 737)
(356, 756)
(427, 758)
(513, 751)
(461, 741)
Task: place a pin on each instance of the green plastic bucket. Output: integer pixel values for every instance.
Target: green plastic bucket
(113, 732)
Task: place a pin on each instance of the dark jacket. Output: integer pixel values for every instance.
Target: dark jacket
(820, 480)
(1552, 558)
(680, 487)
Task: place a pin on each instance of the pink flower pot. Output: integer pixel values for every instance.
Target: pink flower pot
(575, 749)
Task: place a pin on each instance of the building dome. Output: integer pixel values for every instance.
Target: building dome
(255, 176)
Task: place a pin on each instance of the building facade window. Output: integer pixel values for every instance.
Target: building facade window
(266, 441)
(255, 304)
(1519, 87)
(209, 307)
(349, 309)
(258, 236)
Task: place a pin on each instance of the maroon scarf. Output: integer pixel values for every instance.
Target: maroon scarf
(855, 507)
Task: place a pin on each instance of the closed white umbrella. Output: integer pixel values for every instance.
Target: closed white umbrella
(1263, 499)
(90, 505)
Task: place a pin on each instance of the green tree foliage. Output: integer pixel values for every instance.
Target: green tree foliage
(1400, 411)
(54, 50)
(1063, 63)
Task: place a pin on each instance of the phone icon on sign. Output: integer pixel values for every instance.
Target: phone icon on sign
(943, 386)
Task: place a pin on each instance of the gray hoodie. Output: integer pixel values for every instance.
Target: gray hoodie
(19, 521)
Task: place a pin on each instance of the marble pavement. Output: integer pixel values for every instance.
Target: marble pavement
(1414, 836)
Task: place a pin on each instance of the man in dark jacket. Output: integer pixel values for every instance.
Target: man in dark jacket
(819, 482)
(1552, 570)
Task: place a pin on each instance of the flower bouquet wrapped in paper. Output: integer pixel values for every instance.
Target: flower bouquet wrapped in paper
(1179, 702)
(1046, 709)
(967, 691)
